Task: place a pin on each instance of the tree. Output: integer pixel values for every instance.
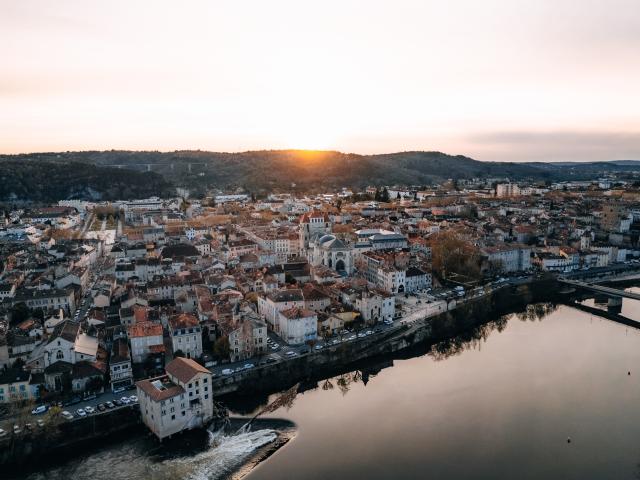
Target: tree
(450, 253)
(178, 353)
(384, 196)
(19, 312)
(221, 348)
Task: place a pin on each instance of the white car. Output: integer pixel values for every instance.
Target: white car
(133, 399)
(125, 400)
(227, 371)
(67, 415)
(248, 366)
(39, 410)
(89, 409)
(81, 413)
(291, 353)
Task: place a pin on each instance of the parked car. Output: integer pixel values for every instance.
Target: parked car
(117, 403)
(248, 366)
(125, 400)
(89, 409)
(2, 433)
(102, 407)
(40, 422)
(81, 413)
(133, 399)
(291, 353)
(118, 390)
(227, 371)
(109, 405)
(16, 430)
(67, 415)
(318, 347)
(40, 409)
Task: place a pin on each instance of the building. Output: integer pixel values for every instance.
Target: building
(507, 258)
(270, 305)
(507, 190)
(376, 307)
(249, 339)
(416, 279)
(145, 339)
(313, 224)
(297, 325)
(330, 252)
(14, 386)
(181, 399)
(120, 365)
(186, 335)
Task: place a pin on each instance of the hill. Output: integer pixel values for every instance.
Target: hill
(45, 181)
(274, 170)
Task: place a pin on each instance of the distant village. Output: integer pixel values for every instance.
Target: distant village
(148, 301)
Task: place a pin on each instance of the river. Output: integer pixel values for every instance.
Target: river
(501, 407)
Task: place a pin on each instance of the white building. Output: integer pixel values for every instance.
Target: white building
(297, 325)
(508, 258)
(270, 305)
(180, 400)
(416, 279)
(376, 307)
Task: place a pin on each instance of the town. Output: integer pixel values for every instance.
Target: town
(145, 303)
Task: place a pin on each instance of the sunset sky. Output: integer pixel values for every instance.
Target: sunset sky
(493, 79)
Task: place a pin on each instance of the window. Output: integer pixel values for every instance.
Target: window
(173, 417)
(206, 396)
(59, 354)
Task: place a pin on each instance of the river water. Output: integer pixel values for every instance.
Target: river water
(500, 407)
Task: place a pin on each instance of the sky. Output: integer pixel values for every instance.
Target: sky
(508, 80)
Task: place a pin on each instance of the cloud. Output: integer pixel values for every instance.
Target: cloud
(555, 145)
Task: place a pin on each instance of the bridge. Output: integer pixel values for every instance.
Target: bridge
(613, 317)
(612, 292)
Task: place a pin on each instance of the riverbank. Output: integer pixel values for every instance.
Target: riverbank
(259, 383)
(423, 333)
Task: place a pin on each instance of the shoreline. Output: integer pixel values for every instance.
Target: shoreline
(263, 453)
